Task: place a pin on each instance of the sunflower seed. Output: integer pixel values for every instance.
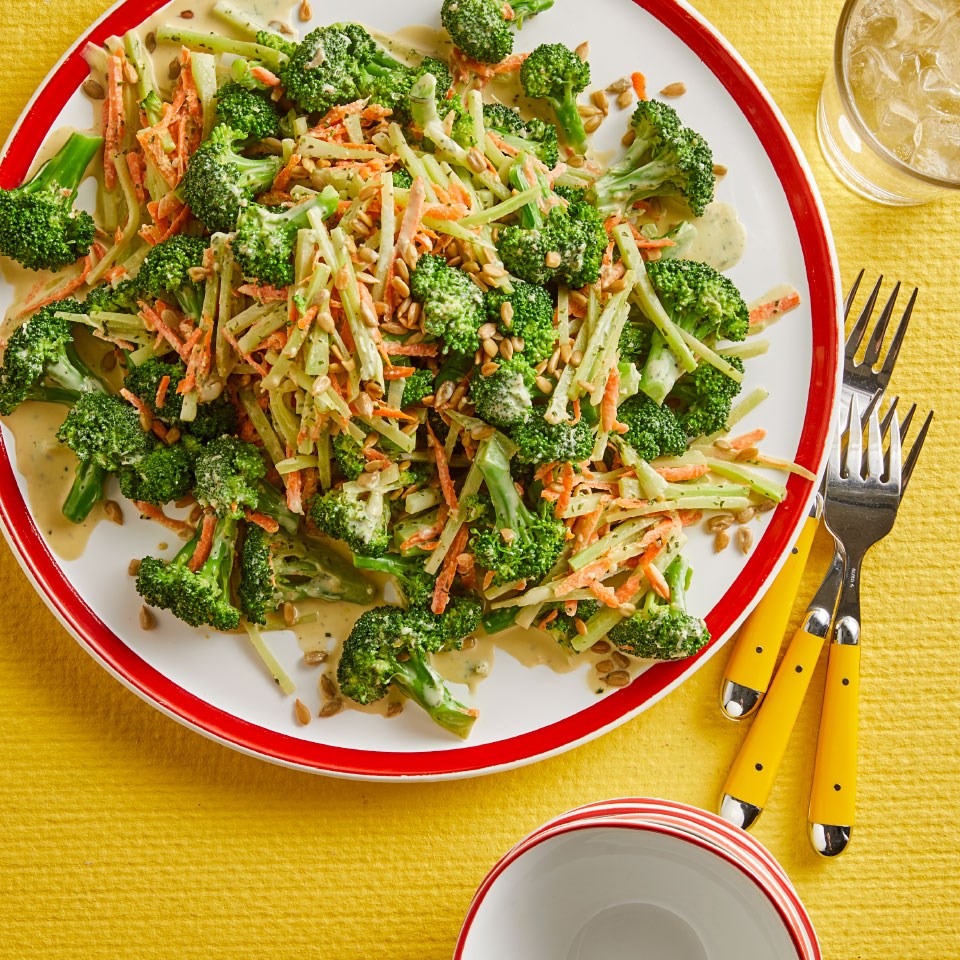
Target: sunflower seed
(302, 712)
(93, 89)
(601, 646)
(721, 541)
(313, 658)
(331, 708)
(327, 687)
(114, 514)
(618, 678)
(133, 567)
(677, 89)
(147, 620)
(744, 539)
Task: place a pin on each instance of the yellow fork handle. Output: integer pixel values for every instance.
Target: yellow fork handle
(754, 770)
(834, 790)
(758, 642)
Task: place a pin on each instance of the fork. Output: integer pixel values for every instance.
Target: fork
(755, 648)
(860, 509)
(752, 774)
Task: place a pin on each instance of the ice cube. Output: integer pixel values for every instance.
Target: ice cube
(937, 149)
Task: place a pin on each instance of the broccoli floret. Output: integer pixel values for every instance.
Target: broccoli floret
(349, 456)
(503, 399)
(566, 246)
(460, 126)
(197, 598)
(358, 517)
(535, 539)
(40, 361)
(40, 227)
(105, 430)
(121, 297)
(219, 182)
(665, 159)
(413, 583)
(452, 303)
(401, 178)
(165, 272)
(553, 72)
(275, 569)
(530, 315)
(705, 398)
(265, 239)
(541, 442)
(530, 136)
(213, 418)
(267, 38)
(653, 430)
(482, 29)
(635, 340)
(105, 433)
(703, 302)
(563, 627)
(249, 113)
(228, 474)
(662, 629)
(389, 647)
(415, 387)
(163, 475)
(342, 63)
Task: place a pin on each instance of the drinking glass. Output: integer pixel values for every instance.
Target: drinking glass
(888, 120)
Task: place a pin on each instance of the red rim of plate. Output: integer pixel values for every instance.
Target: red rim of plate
(682, 836)
(115, 655)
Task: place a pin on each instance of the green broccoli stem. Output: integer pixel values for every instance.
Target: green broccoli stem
(50, 394)
(422, 684)
(637, 183)
(219, 565)
(531, 216)
(570, 121)
(215, 43)
(494, 463)
(66, 168)
(85, 492)
(71, 373)
(272, 502)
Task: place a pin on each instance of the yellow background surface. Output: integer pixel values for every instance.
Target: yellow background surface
(123, 834)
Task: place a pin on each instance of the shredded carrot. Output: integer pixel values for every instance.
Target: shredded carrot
(584, 575)
(575, 403)
(293, 482)
(606, 595)
(427, 533)
(679, 474)
(162, 388)
(446, 211)
(443, 470)
(688, 518)
(398, 373)
(412, 216)
(657, 580)
(448, 570)
(393, 348)
(263, 292)
(262, 521)
(745, 440)
(639, 83)
(153, 512)
(284, 177)
(202, 552)
(611, 394)
(113, 119)
(265, 76)
(393, 414)
(64, 291)
(563, 500)
(773, 308)
(146, 415)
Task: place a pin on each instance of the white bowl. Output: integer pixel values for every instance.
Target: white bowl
(623, 887)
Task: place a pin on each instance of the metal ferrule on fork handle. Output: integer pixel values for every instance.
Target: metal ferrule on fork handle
(753, 772)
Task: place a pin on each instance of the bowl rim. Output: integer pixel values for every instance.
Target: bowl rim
(549, 833)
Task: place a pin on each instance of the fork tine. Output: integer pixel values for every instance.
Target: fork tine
(854, 459)
(875, 444)
(914, 453)
(872, 351)
(897, 341)
(893, 455)
(856, 334)
(851, 293)
(888, 416)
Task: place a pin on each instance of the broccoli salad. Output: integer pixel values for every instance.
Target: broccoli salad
(371, 322)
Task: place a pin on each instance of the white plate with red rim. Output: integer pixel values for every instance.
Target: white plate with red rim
(213, 684)
(633, 886)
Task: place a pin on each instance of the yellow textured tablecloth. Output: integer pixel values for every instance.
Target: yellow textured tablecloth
(123, 834)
